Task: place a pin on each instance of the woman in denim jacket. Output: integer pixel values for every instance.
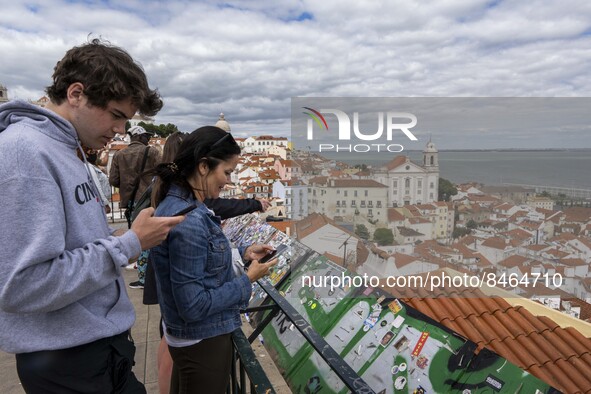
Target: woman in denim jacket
(200, 292)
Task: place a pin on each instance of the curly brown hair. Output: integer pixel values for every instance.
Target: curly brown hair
(108, 73)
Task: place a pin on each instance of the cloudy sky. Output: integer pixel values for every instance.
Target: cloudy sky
(249, 58)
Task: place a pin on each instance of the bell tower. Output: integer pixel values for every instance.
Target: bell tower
(430, 156)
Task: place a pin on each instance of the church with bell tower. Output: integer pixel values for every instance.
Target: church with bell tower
(409, 182)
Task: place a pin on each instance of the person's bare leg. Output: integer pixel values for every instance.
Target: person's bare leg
(164, 367)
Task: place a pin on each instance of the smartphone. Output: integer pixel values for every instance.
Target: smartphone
(274, 253)
(186, 210)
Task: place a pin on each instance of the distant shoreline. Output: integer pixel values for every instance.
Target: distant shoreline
(510, 150)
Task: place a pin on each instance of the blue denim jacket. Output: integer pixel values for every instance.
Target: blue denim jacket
(199, 294)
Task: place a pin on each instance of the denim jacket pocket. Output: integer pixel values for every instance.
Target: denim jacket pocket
(219, 249)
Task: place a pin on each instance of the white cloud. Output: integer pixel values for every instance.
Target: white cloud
(247, 58)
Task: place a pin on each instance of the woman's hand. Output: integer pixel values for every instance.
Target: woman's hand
(257, 270)
(256, 252)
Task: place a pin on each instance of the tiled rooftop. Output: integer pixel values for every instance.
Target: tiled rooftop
(559, 356)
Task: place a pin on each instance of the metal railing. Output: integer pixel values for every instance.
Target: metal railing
(276, 304)
(245, 366)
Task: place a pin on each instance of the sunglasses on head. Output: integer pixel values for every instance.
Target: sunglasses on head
(225, 137)
(215, 144)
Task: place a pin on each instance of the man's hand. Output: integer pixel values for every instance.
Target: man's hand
(150, 230)
(265, 204)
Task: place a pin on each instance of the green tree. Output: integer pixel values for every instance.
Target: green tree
(383, 236)
(362, 231)
(471, 224)
(460, 232)
(161, 130)
(168, 129)
(446, 190)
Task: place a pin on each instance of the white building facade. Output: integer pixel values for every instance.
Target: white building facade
(409, 183)
(262, 143)
(295, 197)
(347, 198)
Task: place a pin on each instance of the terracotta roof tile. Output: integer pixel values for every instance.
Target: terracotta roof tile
(543, 374)
(484, 328)
(559, 356)
(562, 380)
(537, 355)
(500, 330)
(567, 374)
(551, 324)
(396, 162)
(506, 351)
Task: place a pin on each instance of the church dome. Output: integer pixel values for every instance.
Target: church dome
(222, 123)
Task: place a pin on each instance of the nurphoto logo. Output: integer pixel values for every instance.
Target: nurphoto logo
(395, 122)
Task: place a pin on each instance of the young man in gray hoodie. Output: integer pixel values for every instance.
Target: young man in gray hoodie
(64, 309)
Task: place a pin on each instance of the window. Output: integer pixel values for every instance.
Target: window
(395, 183)
(354, 193)
(431, 185)
(407, 183)
(366, 193)
(345, 193)
(338, 191)
(420, 183)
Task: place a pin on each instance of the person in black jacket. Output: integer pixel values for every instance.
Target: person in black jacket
(223, 207)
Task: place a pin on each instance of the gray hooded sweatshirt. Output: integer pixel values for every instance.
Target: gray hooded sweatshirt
(60, 282)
